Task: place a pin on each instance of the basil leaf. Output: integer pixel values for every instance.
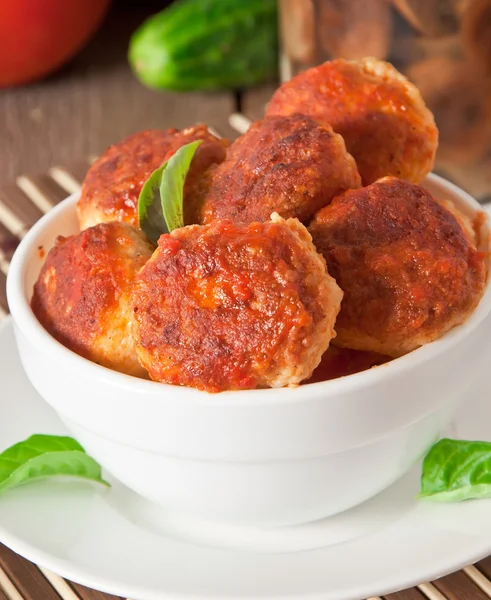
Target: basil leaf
(45, 456)
(160, 203)
(150, 216)
(455, 470)
(172, 185)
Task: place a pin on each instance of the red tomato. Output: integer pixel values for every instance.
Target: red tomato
(38, 36)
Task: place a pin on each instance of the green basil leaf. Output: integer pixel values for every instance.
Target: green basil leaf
(455, 470)
(160, 203)
(172, 185)
(150, 216)
(42, 456)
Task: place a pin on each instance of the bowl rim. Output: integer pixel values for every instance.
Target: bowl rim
(25, 320)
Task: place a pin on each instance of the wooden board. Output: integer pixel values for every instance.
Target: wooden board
(93, 102)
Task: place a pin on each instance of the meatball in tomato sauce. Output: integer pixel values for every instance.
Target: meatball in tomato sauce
(339, 362)
(408, 270)
(227, 307)
(82, 297)
(289, 165)
(379, 113)
(462, 219)
(113, 183)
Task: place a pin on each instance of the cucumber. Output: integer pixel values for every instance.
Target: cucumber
(206, 45)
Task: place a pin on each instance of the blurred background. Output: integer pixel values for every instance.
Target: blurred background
(69, 87)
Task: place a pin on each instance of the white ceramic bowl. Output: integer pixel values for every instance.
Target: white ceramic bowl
(264, 457)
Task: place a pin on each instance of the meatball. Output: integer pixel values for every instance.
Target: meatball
(82, 295)
(289, 165)
(226, 307)
(113, 183)
(380, 114)
(408, 271)
(340, 362)
(464, 221)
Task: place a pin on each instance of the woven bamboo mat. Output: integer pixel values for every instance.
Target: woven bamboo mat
(22, 203)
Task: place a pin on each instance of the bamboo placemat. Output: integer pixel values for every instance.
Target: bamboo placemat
(22, 203)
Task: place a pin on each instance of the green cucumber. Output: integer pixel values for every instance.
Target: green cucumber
(207, 44)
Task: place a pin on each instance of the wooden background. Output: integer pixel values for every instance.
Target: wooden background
(93, 102)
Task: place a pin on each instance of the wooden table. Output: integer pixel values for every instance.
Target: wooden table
(93, 102)
(49, 132)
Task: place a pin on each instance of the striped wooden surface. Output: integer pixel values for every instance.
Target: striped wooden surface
(21, 204)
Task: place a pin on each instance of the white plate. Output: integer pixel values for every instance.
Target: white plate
(95, 538)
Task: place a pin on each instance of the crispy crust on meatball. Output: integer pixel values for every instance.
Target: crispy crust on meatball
(113, 183)
(222, 307)
(408, 271)
(289, 165)
(82, 295)
(380, 114)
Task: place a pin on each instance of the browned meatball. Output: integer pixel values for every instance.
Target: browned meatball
(113, 183)
(340, 362)
(380, 114)
(82, 297)
(463, 220)
(408, 271)
(289, 165)
(223, 307)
